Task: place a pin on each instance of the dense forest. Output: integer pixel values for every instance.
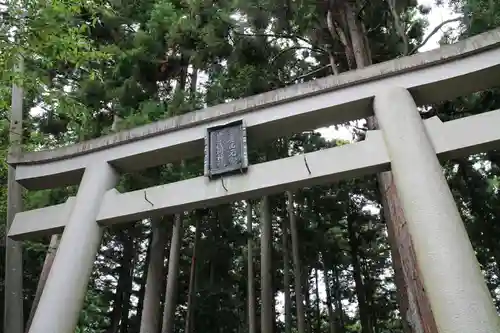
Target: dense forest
(94, 67)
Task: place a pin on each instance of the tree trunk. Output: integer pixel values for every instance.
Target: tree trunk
(307, 297)
(273, 307)
(193, 84)
(123, 282)
(369, 290)
(183, 74)
(192, 280)
(358, 42)
(328, 291)
(296, 265)
(173, 272)
(413, 302)
(407, 277)
(331, 315)
(396, 256)
(214, 227)
(250, 275)
(338, 300)
(142, 290)
(286, 278)
(267, 321)
(125, 321)
(336, 22)
(150, 319)
(47, 264)
(399, 26)
(318, 311)
(212, 273)
(364, 310)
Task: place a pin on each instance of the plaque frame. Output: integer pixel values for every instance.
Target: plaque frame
(242, 166)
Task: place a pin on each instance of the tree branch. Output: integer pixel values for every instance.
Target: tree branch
(375, 28)
(410, 26)
(433, 32)
(399, 26)
(294, 48)
(308, 73)
(360, 11)
(333, 64)
(282, 36)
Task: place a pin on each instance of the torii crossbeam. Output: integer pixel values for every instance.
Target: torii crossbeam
(404, 144)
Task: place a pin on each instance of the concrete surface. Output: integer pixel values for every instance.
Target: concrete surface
(62, 298)
(454, 284)
(326, 166)
(42, 221)
(468, 66)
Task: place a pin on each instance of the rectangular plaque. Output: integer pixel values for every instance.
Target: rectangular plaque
(226, 149)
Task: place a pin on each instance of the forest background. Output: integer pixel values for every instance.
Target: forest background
(98, 66)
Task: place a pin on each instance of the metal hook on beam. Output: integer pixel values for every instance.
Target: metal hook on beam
(146, 198)
(223, 185)
(307, 165)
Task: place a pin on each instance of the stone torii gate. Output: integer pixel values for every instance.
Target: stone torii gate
(405, 144)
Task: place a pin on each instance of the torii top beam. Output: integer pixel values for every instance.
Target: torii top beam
(329, 165)
(450, 71)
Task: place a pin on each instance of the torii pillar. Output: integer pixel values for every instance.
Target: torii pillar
(64, 292)
(454, 284)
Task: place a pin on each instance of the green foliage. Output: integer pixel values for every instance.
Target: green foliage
(92, 317)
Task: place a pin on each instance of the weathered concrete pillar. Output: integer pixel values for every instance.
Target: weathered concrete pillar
(456, 289)
(64, 292)
(13, 282)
